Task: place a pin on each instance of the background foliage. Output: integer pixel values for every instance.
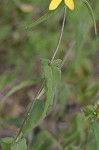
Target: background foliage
(20, 72)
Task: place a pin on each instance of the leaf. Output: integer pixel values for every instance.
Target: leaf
(56, 62)
(9, 144)
(91, 13)
(93, 139)
(95, 127)
(91, 145)
(52, 75)
(6, 143)
(18, 87)
(42, 19)
(34, 116)
(45, 17)
(21, 145)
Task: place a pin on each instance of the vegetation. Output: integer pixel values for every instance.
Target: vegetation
(49, 96)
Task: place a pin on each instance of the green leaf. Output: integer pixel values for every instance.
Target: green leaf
(18, 87)
(34, 117)
(20, 145)
(45, 17)
(56, 62)
(9, 144)
(95, 127)
(42, 19)
(6, 143)
(91, 145)
(52, 75)
(91, 13)
(93, 139)
(45, 62)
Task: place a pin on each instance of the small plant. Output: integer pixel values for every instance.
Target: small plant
(92, 114)
(52, 76)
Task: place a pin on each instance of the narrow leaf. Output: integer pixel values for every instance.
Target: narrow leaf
(44, 17)
(18, 87)
(95, 127)
(91, 13)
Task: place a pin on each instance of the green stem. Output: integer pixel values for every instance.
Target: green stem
(60, 37)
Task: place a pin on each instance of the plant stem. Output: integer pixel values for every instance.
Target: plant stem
(61, 35)
(29, 111)
(42, 85)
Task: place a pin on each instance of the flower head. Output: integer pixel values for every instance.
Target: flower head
(55, 3)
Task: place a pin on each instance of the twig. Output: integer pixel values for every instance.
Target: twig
(42, 85)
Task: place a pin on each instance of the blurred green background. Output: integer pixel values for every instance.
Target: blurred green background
(20, 71)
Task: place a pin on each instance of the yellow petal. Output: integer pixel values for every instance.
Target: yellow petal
(70, 4)
(54, 4)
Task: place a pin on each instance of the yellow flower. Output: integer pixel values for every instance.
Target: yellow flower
(55, 3)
